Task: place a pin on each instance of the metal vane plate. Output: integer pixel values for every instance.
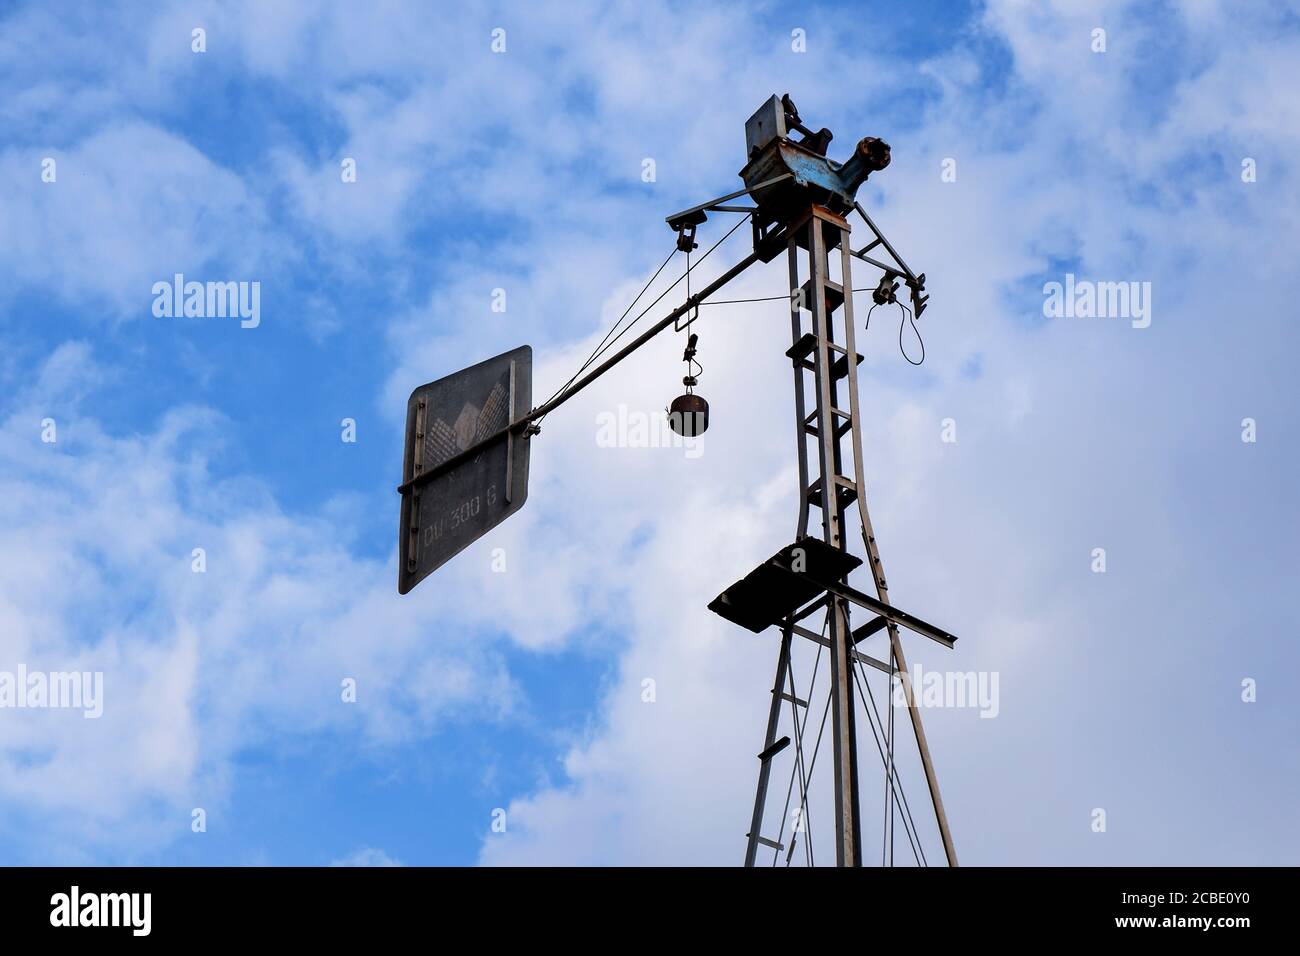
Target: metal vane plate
(444, 418)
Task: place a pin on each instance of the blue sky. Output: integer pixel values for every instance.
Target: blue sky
(522, 170)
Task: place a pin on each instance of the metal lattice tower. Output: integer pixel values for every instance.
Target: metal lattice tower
(825, 363)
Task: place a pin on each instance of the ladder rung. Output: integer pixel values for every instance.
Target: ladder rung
(834, 294)
(768, 843)
(871, 627)
(841, 429)
(848, 495)
(808, 342)
(803, 347)
(775, 749)
(797, 701)
(840, 367)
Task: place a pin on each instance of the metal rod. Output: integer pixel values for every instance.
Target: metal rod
(706, 206)
(856, 655)
(875, 262)
(580, 384)
(883, 241)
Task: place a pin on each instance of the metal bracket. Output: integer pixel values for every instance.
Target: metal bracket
(915, 283)
(697, 214)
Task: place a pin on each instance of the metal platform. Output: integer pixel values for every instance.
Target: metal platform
(772, 591)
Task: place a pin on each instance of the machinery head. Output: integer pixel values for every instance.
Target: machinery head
(813, 178)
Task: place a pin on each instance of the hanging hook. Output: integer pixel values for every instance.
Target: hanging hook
(688, 356)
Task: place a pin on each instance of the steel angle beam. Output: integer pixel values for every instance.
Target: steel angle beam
(886, 613)
(857, 655)
(893, 614)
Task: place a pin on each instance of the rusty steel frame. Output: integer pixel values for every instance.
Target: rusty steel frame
(818, 232)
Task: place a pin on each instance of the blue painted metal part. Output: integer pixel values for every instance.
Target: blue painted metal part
(822, 180)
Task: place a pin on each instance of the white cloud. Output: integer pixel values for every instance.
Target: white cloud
(366, 856)
(131, 205)
(96, 551)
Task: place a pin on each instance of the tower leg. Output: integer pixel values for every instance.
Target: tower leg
(829, 431)
(878, 570)
(765, 768)
(848, 827)
(931, 779)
